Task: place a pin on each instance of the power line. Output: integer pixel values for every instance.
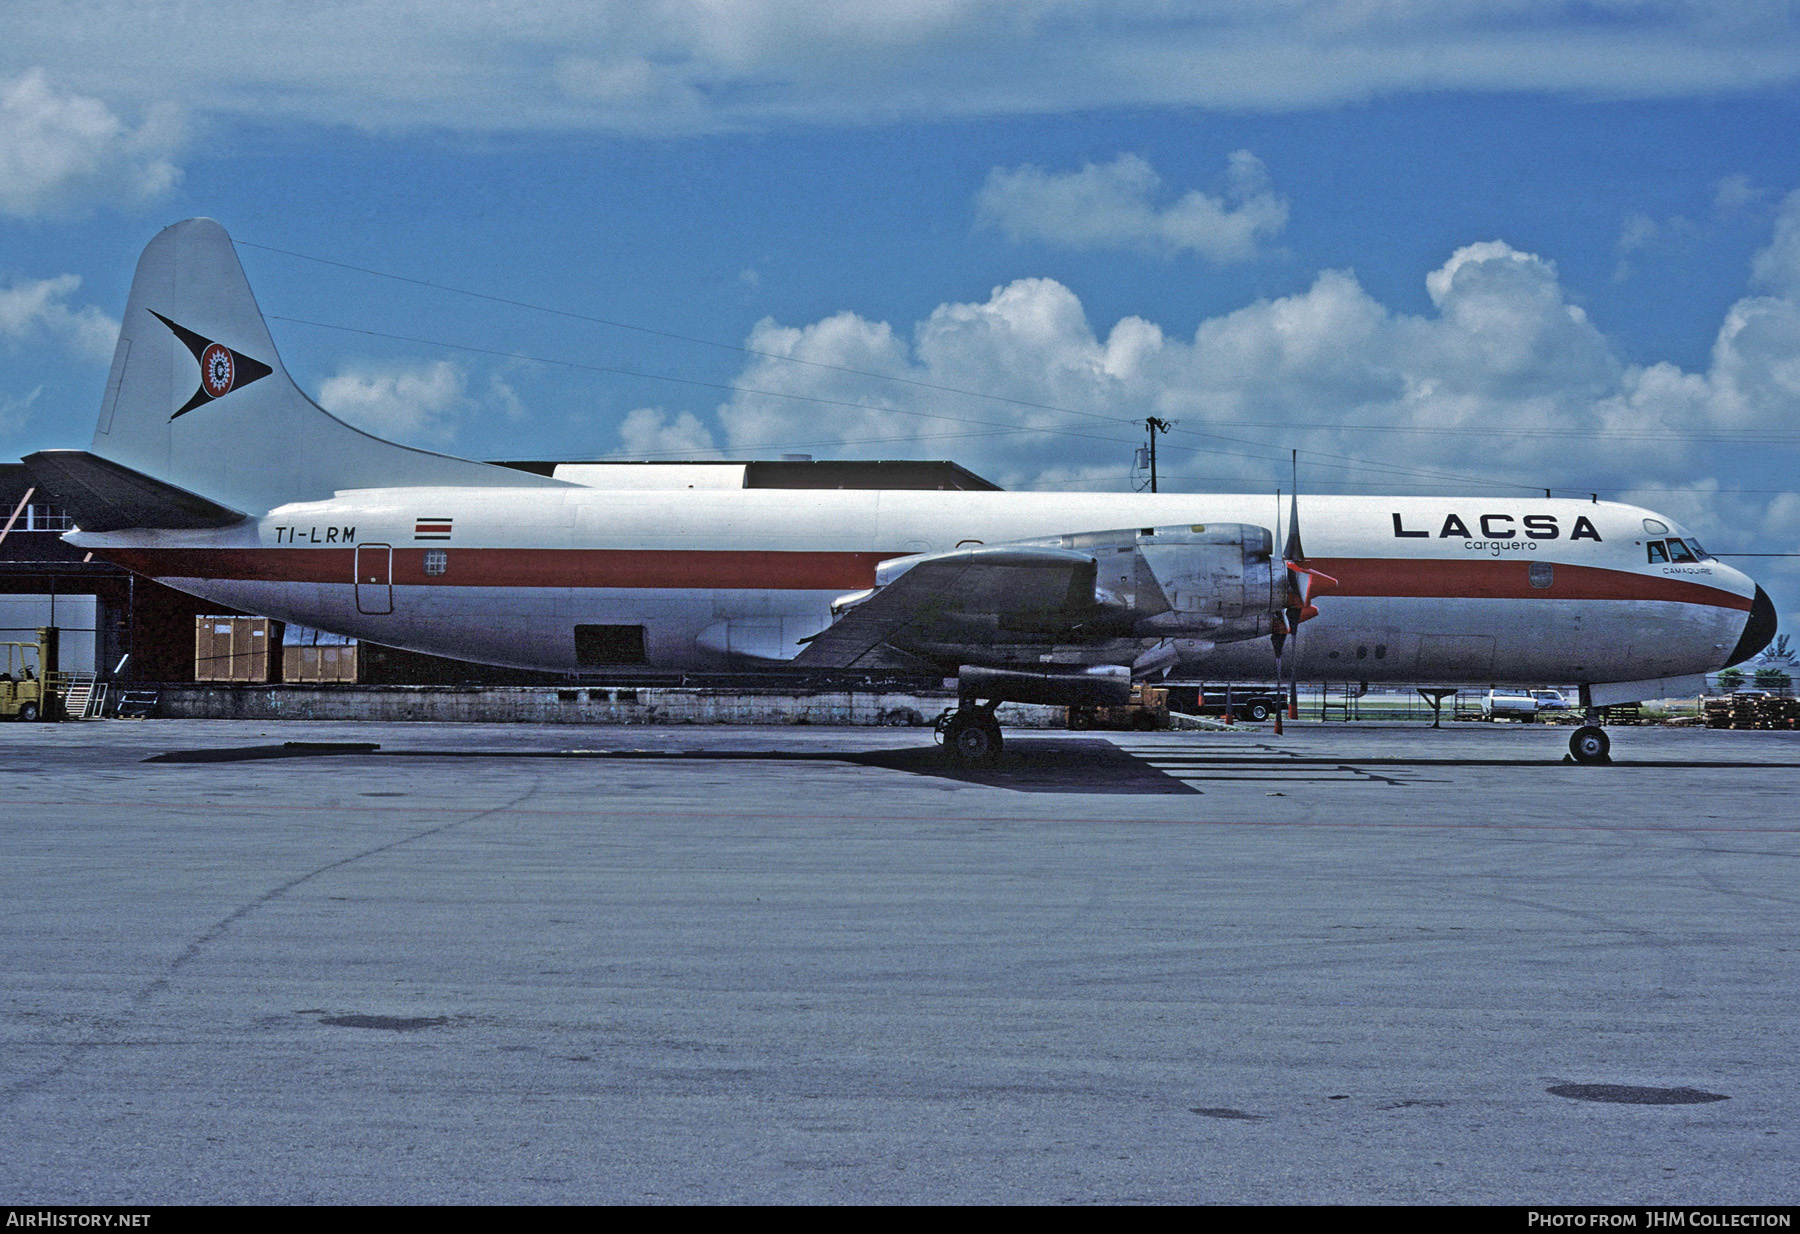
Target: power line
(669, 334)
(1335, 462)
(686, 338)
(1747, 435)
(1344, 461)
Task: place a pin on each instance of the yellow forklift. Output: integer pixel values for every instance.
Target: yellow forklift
(24, 671)
(1147, 710)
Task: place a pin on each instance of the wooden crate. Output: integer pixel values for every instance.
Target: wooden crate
(231, 649)
(318, 664)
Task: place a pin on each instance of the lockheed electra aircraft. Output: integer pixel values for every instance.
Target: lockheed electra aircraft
(212, 473)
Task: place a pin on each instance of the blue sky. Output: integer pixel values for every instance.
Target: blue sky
(1436, 247)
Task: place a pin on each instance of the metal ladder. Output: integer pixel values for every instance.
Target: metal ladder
(83, 698)
(1343, 706)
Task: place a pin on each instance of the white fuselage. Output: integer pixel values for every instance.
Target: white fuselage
(1460, 590)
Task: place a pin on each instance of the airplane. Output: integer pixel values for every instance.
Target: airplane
(212, 473)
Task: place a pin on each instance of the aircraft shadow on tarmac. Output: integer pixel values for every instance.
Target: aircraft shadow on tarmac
(1045, 765)
(1028, 765)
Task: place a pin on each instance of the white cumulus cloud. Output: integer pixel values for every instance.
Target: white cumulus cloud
(405, 402)
(422, 403)
(1777, 267)
(16, 408)
(1504, 379)
(39, 310)
(61, 152)
(1114, 205)
(650, 433)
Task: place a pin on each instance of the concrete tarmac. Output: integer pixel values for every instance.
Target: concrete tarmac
(513, 963)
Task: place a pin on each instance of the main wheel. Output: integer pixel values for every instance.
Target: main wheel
(1590, 744)
(974, 740)
(28, 712)
(1080, 719)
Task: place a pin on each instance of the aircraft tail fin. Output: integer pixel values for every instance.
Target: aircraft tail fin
(198, 398)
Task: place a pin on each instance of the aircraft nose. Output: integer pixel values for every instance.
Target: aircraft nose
(1759, 629)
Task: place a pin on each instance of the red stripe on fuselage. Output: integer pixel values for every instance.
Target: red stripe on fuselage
(1386, 577)
(1414, 578)
(525, 567)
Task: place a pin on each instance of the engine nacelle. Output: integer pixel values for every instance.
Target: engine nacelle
(1105, 685)
(1220, 582)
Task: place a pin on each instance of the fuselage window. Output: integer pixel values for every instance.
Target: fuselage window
(437, 560)
(1657, 552)
(1678, 551)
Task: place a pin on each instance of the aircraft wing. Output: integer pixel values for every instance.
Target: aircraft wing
(940, 596)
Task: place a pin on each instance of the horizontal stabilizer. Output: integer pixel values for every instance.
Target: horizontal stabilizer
(102, 495)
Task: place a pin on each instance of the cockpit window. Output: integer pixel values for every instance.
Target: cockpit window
(1658, 553)
(1699, 552)
(1678, 551)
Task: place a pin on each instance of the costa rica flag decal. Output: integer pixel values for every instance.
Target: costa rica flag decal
(222, 370)
(431, 529)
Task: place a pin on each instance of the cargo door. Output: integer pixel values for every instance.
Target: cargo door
(374, 578)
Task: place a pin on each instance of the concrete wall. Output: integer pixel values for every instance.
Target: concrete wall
(570, 705)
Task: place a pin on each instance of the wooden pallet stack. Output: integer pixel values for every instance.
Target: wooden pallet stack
(1753, 711)
(1776, 712)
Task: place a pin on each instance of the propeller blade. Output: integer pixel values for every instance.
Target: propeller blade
(1293, 550)
(1303, 584)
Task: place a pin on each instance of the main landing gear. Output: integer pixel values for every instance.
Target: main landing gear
(971, 734)
(1590, 744)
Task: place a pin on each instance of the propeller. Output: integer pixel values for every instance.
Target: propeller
(1303, 585)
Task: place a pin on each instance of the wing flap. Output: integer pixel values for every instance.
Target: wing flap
(1003, 581)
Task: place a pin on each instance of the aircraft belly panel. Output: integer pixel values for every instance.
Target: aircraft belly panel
(1481, 641)
(533, 627)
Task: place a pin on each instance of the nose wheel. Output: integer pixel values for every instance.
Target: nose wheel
(971, 735)
(1590, 744)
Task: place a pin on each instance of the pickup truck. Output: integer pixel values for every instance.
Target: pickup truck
(1255, 703)
(1510, 705)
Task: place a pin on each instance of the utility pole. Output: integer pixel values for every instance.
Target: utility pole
(1154, 425)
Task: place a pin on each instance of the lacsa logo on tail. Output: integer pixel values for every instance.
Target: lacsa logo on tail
(222, 370)
(432, 529)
